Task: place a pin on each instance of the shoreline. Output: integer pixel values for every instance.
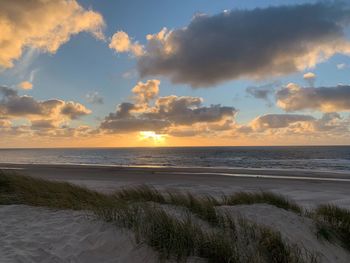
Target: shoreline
(301, 186)
(210, 170)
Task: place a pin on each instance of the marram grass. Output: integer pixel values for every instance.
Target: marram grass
(226, 239)
(333, 223)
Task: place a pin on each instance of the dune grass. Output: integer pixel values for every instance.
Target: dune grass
(178, 239)
(227, 240)
(204, 206)
(279, 201)
(333, 223)
(142, 193)
(18, 189)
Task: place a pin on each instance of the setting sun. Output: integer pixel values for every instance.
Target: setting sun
(152, 136)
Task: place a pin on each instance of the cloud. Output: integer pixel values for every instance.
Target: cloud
(277, 121)
(330, 124)
(187, 110)
(43, 25)
(74, 110)
(325, 99)
(310, 78)
(256, 44)
(94, 98)
(26, 85)
(263, 92)
(129, 74)
(13, 105)
(38, 119)
(132, 124)
(146, 91)
(341, 66)
(121, 43)
(42, 124)
(164, 113)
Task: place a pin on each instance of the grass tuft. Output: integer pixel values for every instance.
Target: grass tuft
(279, 201)
(203, 207)
(333, 223)
(18, 189)
(143, 193)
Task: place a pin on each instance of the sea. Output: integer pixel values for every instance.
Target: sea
(314, 158)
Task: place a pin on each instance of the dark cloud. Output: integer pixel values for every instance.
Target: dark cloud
(277, 121)
(123, 121)
(330, 124)
(123, 111)
(188, 110)
(74, 110)
(14, 105)
(132, 124)
(247, 43)
(331, 121)
(263, 92)
(325, 99)
(167, 112)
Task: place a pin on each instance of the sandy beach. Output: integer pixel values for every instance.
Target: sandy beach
(306, 187)
(36, 234)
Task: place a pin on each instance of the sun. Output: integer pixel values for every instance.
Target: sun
(152, 136)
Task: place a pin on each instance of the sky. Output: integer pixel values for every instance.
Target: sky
(112, 73)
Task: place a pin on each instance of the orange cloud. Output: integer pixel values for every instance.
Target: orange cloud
(44, 25)
(26, 85)
(121, 43)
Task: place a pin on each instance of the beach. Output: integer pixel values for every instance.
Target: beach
(39, 234)
(305, 187)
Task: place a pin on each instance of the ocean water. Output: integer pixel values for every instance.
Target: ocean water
(320, 158)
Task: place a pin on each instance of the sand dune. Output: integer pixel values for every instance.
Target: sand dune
(294, 228)
(31, 234)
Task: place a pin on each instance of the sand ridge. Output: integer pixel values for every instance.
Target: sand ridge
(32, 234)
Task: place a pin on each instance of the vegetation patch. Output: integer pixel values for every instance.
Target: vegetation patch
(226, 240)
(233, 240)
(333, 223)
(18, 189)
(279, 201)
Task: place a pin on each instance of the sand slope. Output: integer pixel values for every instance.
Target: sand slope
(31, 234)
(294, 228)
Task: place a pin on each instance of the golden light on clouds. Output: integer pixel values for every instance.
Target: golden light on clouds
(43, 25)
(121, 42)
(152, 136)
(26, 85)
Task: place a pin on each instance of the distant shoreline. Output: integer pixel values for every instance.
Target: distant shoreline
(222, 171)
(307, 188)
(159, 146)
